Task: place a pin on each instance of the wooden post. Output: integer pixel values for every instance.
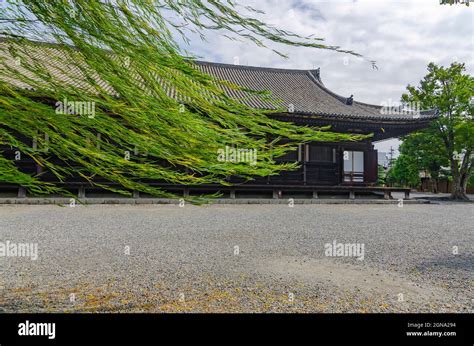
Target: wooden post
(306, 160)
(21, 192)
(82, 192)
(304, 173)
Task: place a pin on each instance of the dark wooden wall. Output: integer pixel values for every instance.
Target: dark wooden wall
(320, 164)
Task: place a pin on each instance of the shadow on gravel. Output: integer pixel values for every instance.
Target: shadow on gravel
(456, 262)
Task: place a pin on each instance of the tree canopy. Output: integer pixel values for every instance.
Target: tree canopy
(450, 139)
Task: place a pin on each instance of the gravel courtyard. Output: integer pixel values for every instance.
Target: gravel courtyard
(238, 258)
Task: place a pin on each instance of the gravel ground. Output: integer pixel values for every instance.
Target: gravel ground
(167, 258)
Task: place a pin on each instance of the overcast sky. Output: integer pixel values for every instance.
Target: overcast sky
(402, 36)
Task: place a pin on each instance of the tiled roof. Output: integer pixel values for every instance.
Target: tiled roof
(300, 91)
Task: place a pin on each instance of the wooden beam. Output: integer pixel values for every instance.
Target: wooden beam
(21, 192)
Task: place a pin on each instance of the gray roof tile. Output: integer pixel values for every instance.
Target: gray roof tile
(301, 88)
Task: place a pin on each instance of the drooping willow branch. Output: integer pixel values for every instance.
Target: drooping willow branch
(113, 99)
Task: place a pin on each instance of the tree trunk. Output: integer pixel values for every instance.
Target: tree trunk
(434, 185)
(458, 191)
(456, 188)
(461, 177)
(465, 179)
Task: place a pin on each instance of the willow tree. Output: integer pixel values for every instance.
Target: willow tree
(155, 116)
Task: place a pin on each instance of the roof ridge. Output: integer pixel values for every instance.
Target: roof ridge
(248, 67)
(319, 83)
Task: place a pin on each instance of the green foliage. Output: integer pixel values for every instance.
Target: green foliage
(149, 99)
(450, 139)
(454, 2)
(471, 181)
(381, 175)
(404, 172)
(426, 151)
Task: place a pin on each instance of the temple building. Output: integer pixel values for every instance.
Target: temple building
(310, 102)
(347, 167)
